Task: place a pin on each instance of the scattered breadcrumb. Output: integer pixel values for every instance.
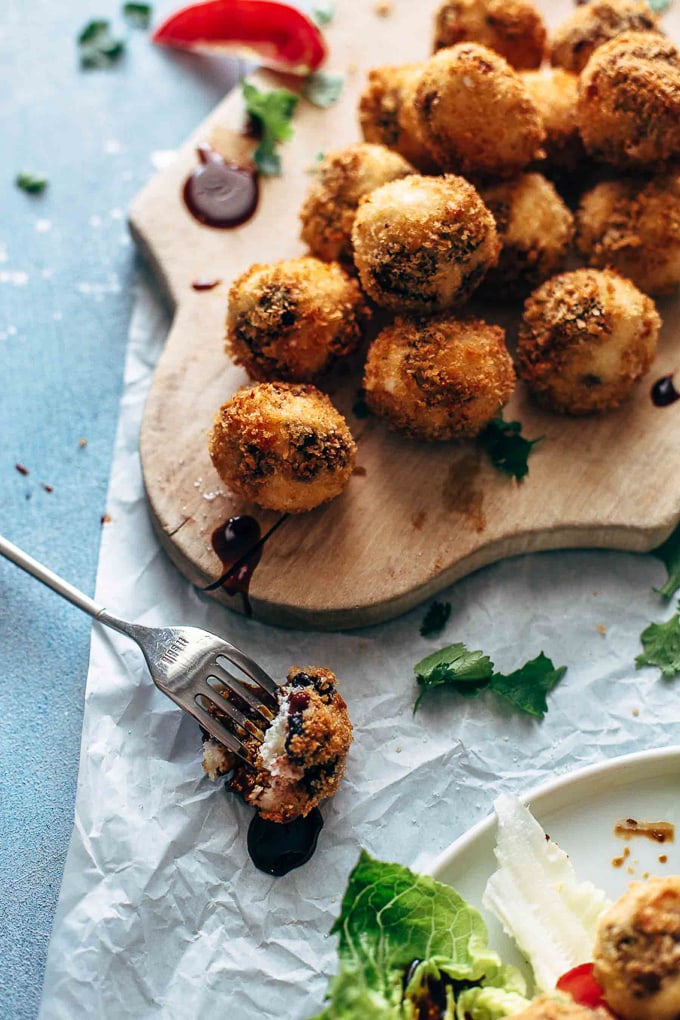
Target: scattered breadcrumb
(383, 8)
(82, 442)
(105, 519)
(601, 628)
(636, 712)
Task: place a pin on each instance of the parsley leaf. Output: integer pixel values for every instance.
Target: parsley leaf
(137, 15)
(455, 666)
(435, 618)
(469, 673)
(323, 12)
(323, 88)
(669, 554)
(506, 446)
(527, 687)
(32, 184)
(272, 112)
(661, 643)
(98, 46)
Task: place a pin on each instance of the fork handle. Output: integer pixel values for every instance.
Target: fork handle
(52, 580)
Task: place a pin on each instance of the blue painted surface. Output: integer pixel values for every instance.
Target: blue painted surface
(63, 329)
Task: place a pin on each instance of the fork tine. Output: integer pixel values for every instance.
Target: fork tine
(241, 688)
(205, 690)
(250, 668)
(219, 731)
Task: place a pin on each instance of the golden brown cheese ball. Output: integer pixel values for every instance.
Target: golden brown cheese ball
(637, 951)
(474, 113)
(593, 24)
(629, 101)
(513, 28)
(302, 758)
(535, 229)
(283, 446)
(634, 226)
(585, 339)
(387, 114)
(294, 319)
(554, 93)
(549, 1007)
(438, 378)
(343, 178)
(423, 243)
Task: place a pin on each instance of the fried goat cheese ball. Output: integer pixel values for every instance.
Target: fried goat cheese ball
(585, 339)
(293, 320)
(634, 226)
(474, 113)
(439, 378)
(423, 243)
(342, 179)
(548, 1007)
(302, 758)
(629, 101)
(387, 114)
(282, 446)
(535, 228)
(595, 23)
(637, 951)
(513, 28)
(554, 93)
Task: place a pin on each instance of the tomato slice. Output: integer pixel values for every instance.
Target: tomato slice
(582, 986)
(274, 34)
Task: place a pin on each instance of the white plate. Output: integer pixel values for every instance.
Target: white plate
(579, 811)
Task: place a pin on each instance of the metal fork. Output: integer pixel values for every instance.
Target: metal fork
(190, 665)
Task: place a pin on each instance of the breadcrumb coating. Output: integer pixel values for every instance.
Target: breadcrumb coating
(595, 23)
(629, 101)
(637, 951)
(513, 28)
(474, 113)
(535, 229)
(342, 179)
(302, 759)
(585, 339)
(554, 93)
(549, 1007)
(283, 446)
(438, 378)
(423, 243)
(633, 225)
(293, 320)
(387, 114)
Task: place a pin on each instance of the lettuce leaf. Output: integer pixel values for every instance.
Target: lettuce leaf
(395, 925)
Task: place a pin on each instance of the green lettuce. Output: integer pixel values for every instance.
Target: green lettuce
(395, 925)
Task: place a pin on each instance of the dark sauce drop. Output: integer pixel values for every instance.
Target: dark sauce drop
(221, 194)
(277, 849)
(238, 545)
(205, 284)
(664, 392)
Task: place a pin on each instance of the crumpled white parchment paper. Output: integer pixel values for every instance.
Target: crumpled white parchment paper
(161, 912)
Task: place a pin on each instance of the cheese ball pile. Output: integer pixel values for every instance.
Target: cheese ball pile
(463, 182)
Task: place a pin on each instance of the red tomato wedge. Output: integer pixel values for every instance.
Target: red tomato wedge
(274, 34)
(582, 986)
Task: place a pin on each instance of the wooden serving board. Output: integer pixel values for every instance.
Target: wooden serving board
(416, 516)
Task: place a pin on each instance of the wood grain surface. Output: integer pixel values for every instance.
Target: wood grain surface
(415, 517)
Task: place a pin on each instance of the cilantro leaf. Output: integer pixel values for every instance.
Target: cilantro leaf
(272, 112)
(669, 554)
(323, 12)
(506, 446)
(435, 618)
(323, 88)
(32, 184)
(661, 643)
(454, 666)
(137, 15)
(98, 46)
(527, 687)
